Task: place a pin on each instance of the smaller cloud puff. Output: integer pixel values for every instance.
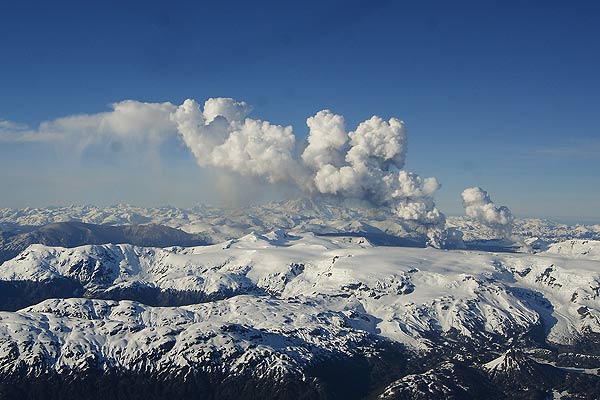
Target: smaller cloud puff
(479, 206)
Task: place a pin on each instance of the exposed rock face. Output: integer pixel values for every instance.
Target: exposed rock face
(520, 373)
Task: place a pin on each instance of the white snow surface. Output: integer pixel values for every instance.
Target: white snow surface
(245, 334)
(585, 249)
(287, 298)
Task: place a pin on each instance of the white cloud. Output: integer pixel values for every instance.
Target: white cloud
(479, 206)
(128, 120)
(326, 142)
(11, 131)
(221, 136)
(581, 149)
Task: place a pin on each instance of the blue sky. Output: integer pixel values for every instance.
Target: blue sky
(502, 94)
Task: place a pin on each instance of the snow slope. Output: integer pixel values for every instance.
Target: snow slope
(580, 249)
(402, 294)
(246, 334)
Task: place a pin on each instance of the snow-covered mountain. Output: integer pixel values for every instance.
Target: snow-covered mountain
(511, 375)
(74, 233)
(585, 249)
(219, 224)
(296, 299)
(285, 310)
(412, 291)
(302, 215)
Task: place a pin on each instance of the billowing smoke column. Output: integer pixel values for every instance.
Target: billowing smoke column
(362, 164)
(221, 136)
(480, 207)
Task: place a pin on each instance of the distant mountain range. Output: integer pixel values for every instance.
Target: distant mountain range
(74, 233)
(301, 215)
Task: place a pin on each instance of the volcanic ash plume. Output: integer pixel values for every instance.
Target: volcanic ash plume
(362, 164)
(480, 207)
(221, 136)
